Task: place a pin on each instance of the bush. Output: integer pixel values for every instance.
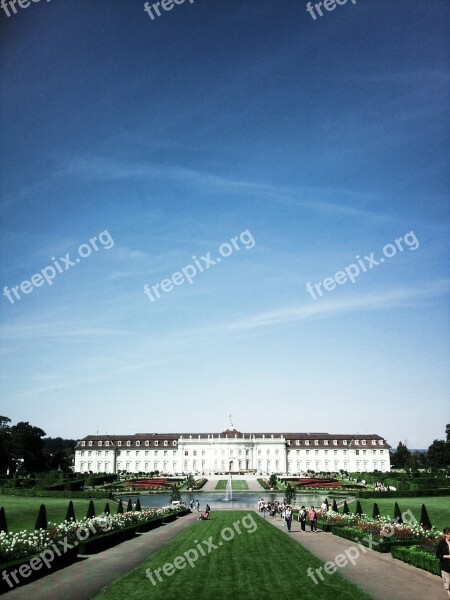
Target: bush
(70, 514)
(41, 521)
(335, 506)
(3, 524)
(417, 558)
(359, 510)
(107, 510)
(375, 511)
(397, 514)
(91, 510)
(424, 518)
(405, 493)
(346, 510)
(129, 505)
(120, 508)
(138, 505)
(40, 493)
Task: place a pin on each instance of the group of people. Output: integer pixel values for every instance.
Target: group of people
(286, 514)
(205, 516)
(195, 503)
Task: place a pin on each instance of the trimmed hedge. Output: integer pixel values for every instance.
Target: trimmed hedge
(405, 493)
(417, 558)
(355, 534)
(39, 493)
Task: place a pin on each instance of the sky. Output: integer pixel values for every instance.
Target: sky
(311, 142)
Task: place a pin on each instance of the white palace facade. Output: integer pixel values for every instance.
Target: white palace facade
(231, 451)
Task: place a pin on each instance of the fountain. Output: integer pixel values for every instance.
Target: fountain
(229, 490)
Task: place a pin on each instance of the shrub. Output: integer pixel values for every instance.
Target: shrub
(70, 514)
(91, 510)
(397, 514)
(3, 524)
(424, 518)
(129, 505)
(375, 511)
(358, 511)
(41, 521)
(120, 508)
(335, 506)
(138, 505)
(107, 510)
(346, 510)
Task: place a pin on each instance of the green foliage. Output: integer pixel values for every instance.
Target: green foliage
(129, 505)
(335, 506)
(41, 521)
(359, 510)
(375, 511)
(289, 494)
(107, 510)
(401, 456)
(138, 504)
(70, 514)
(3, 524)
(175, 495)
(120, 508)
(397, 514)
(346, 510)
(417, 558)
(273, 480)
(91, 510)
(424, 518)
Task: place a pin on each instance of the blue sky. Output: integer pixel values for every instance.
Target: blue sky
(325, 139)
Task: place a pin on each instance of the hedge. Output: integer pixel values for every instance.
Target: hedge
(417, 558)
(405, 493)
(39, 493)
(355, 535)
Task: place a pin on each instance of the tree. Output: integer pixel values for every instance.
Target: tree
(438, 454)
(138, 504)
(129, 505)
(120, 508)
(335, 506)
(401, 456)
(41, 521)
(359, 511)
(273, 479)
(91, 510)
(27, 445)
(289, 494)
(5, 444)
(70, 514)
(375, 511)
(345, 510)
(3, 524)
(327, 503)
(107, 510)
(59, 453)
(397, 514)
(175, 495)
(424, 518)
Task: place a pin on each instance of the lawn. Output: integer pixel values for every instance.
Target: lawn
(260, 563)
(239, 485)
(21, 512)
(438, 508)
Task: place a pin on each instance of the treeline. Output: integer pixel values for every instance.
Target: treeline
(436, 457)
(25, 449)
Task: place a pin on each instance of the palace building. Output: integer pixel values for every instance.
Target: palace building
(231, 452)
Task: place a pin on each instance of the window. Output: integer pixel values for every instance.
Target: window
(363, 442)
(357, 452)
(194, 453)
(137, 452)
(128, 443)
(128, 453)
(307, 452)
(306, 442)
(165, 452)
(146, 453)
(156, 443)
(316, 452)
(166, 443)
(297, 442)
(89, 453)
(156, 452)
(82, 453)
(374, 442)
(138, 443)
(344, 442)
(100, 443)
(119, 443)
(147, 442)
(106, 443)
(334, 442)
(174, 442)
(356, 442)
(186, 453)
(380, 443)
(325, 442)
(277, 452)
(99, 452)
(316, 442)
(90, 443)
(83, 443)
(298, 452)
(335, 452)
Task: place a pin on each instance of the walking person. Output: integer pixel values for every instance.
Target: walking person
(191, 504)
(313, 519)
(198, 505)
(288, 517)
(443, 554)
(302, 518)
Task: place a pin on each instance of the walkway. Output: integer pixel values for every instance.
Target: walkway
(253, 485)
(380, 575)
(85, 578)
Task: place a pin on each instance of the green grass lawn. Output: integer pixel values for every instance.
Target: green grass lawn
(438, 508)
(262, 563)
(237, 486)
(21, 512)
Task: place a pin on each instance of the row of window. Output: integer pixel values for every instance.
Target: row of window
(128, 443)
(335, 442)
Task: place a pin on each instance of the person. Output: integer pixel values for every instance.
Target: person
(302, 518)
(443, 554)
(283, 514)
(313, 519)
(191, 504)
(198, 505)
(208, 509)
(324, 506)
(288, 517)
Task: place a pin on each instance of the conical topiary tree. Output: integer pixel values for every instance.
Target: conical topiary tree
(107, 510)
(359, 511)
(138, 505)
(346, 510)
(424, 518)
(129, 505)
(120, 508)
(327, 503)
(41, 521)
(335, 506)
(375, 511)
(70, 514)
(91, 510)
(397, 514)
(3, 524)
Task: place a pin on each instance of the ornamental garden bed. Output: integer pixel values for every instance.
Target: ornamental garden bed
(100, 542)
